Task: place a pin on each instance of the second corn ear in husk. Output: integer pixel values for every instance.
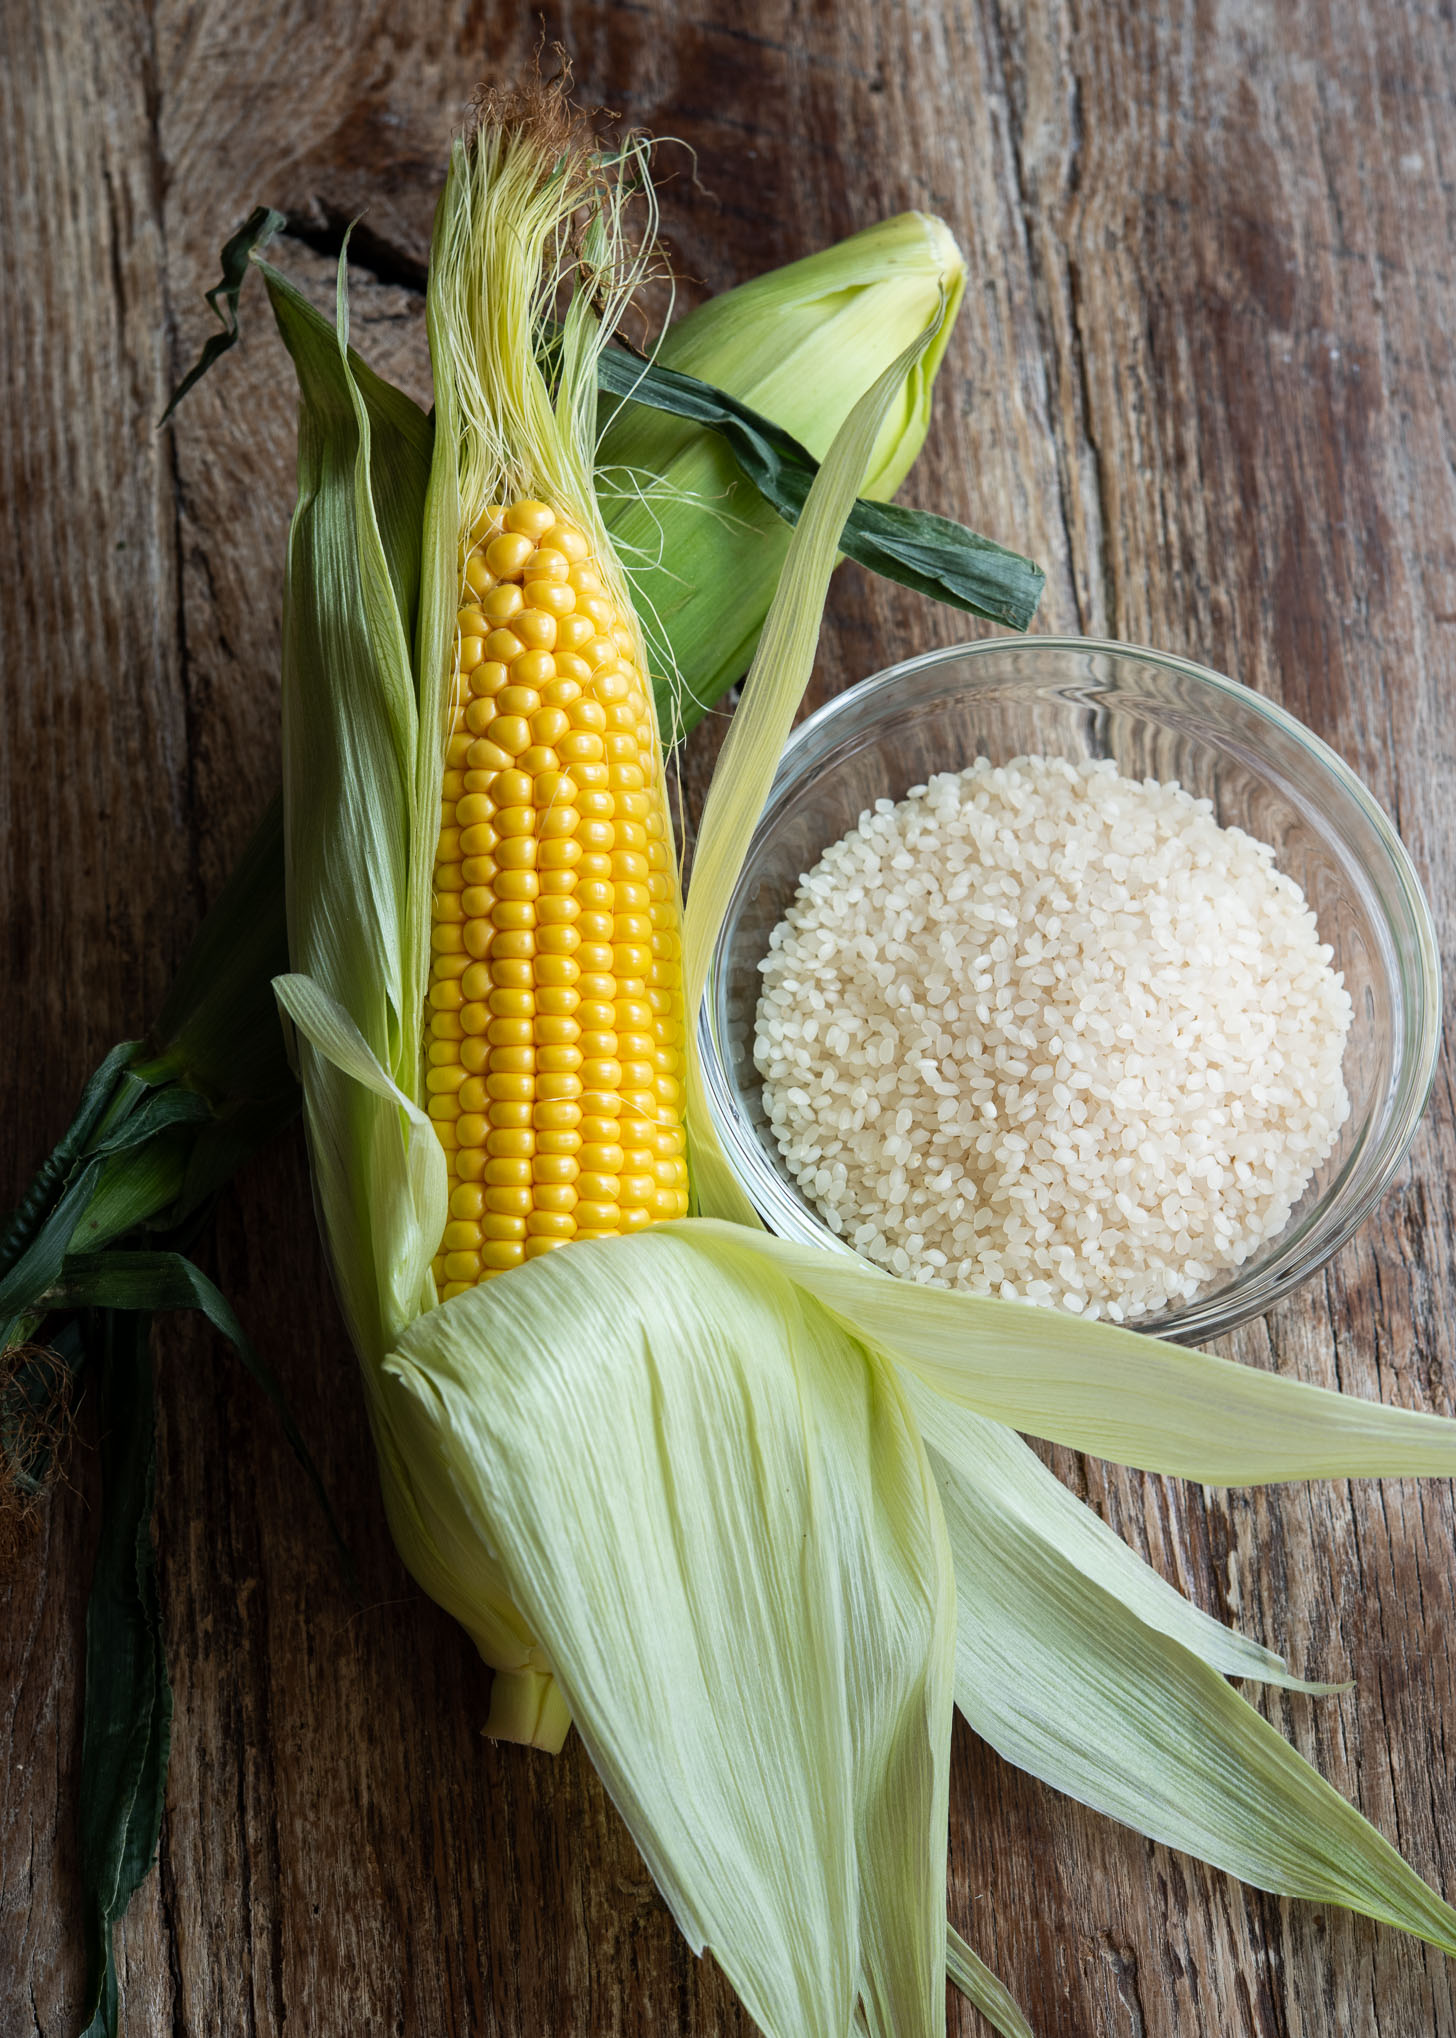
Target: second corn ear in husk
(800, 344)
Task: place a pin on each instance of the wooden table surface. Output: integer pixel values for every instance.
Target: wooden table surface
(1203, 372)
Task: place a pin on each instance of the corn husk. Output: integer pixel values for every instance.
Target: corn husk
(764, 1514)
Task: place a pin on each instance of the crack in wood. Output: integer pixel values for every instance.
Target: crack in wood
(169, 1912)
(1086, 414)
(1050, 281)
(1122, 1965)
(395, 267)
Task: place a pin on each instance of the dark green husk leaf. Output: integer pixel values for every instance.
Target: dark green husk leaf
(931, 554)
(148, 1282)
(38, 1201)
(128, 1699)
(251, 237)
(36, 1269)
(161, 1126)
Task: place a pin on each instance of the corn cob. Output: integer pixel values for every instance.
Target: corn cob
(555, 1035)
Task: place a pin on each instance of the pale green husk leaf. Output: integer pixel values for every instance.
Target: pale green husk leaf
(1116, 1393)
(746, 1598)
(405, 1214)
(1012, 1478)
(746, 765)
(980, 1986)
(349, 741)
(1066, 1682)
(780, 672)
(1065, 1679)
(407, 1205)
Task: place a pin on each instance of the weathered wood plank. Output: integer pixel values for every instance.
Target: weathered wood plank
(1203, 372)
(96, 753)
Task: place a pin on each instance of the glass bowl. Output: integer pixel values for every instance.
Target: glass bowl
(1156, 716)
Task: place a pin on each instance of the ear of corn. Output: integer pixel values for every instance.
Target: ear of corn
(807, 1916)
(555, 1037)
(220, 1082)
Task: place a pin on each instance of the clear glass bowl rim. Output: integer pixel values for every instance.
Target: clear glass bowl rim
(1417, 1053)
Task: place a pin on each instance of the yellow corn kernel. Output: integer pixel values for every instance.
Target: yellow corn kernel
(534, 518)
(536, 629)
(503, 603)
(554, 598)
(531, 671)
(493, 1226)
(506, 1144)
(496, 1255)
(504, 556)
(565, 538)
(549, 1224)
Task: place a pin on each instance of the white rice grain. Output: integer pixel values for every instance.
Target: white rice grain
(1038, 1030)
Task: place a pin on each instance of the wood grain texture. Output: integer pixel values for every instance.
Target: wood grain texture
(1203, 372)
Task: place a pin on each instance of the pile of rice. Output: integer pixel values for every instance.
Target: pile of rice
(1042, 1032)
